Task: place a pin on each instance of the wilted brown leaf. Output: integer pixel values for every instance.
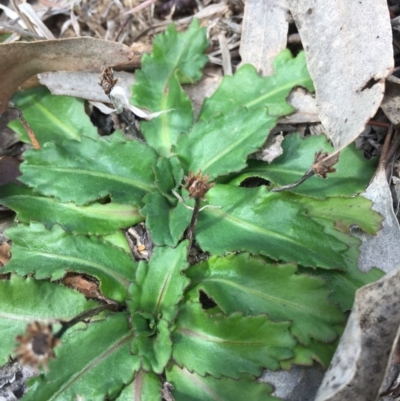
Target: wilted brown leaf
(20, 61)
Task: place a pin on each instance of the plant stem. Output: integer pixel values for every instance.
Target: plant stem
(193, 221)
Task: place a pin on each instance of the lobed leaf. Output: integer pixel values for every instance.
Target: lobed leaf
(352, 175)
(86, 368)
(272, 224)
(160, 283)
(92, 169)
(93, 219)
(343, 285)
(176, 59)
(192, 387)
(52, 253)
(315, 351)
(26, 300)
(247, 88)
(251, 286)
(345, 212)
(221, 145)
(52, 118)
(229, 346)
(145, 387)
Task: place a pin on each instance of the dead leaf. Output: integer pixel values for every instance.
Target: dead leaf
(264, 33)
(20, 60)
(348, 46)
(391, 101)
(80, 283)
(84, 85)
(300, 383)
(9, 170)
(5, 254)
(360, 362)
(383, 249)
(272, 149)
(305, 106)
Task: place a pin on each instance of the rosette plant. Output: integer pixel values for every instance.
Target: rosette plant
(235, 279)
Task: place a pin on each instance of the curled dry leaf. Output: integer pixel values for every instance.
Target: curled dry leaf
(360, 362)
(20, 61)
(348, 45)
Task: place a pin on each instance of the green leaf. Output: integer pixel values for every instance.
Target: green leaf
(94, 219)
(257, 221)
(229, 346)
(221, 145)
(119, 240)
(251, 286)
(145, 387)
(52, 118)
(154, 350)
(90, 170)
(192, 387)
(247, 88)
(177, 58)
(160, 284)
(53, 253)
(344, 285)
(89, 363)
(352, 175)
(315, 351)
(166, 221)
(24, 301)
(344, 212)
(166, 218)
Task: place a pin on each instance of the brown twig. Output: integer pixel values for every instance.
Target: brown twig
(305, 177)
(85, 315)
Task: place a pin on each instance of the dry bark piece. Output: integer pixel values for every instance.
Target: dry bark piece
(264, 33)
(19, 60)
(361, 360)
(348, 46)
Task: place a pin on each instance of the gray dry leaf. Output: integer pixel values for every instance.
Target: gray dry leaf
(383, 249)
(391, 101)
(361, 360)
(305, 106)
(348, 46)
(20, 61)
(272, 149)
(264, 33)
(300, 383)
(84, 85)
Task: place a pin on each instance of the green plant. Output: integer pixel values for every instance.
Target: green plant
(273, 273)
